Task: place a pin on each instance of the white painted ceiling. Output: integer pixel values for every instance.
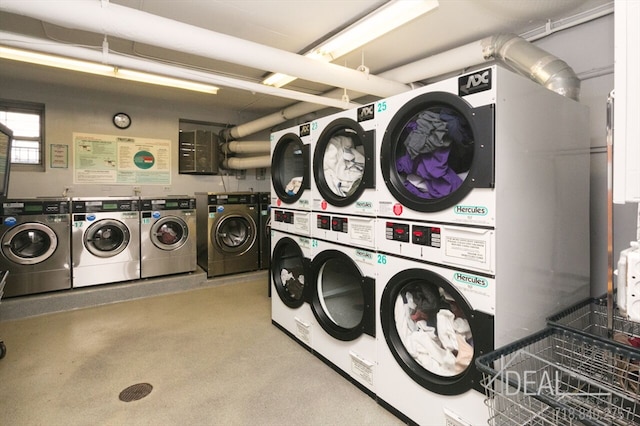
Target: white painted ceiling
(293, 25)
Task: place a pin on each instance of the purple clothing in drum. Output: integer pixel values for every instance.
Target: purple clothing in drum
(439, 178)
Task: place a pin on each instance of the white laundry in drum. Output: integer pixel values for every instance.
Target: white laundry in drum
(343, 165)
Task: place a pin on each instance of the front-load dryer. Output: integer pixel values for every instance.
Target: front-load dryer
(484, 145)
(167, 236)
(433, 323)
(343, 302)
(290, 168)
(105, 240)
(291, 291)
(344, 162)
(227, 230)
(35, 242)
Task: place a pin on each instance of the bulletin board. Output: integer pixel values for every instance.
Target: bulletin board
(111, 159)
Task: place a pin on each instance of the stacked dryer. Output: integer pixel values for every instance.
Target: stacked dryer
(482, 232)
(343, 264)
(291, 233)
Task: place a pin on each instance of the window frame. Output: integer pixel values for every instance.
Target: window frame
(31, 108)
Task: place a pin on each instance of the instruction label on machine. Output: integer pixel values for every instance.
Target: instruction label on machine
(362, 230)
(303, 331)
(362, 368)
(467, 249)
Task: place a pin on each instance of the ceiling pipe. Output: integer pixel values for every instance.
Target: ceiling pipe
(243, 163)
(55, 48)
(246, 147)
(510, 49)
(114, 20)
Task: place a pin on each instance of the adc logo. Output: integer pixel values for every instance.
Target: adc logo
(366, 112)
(305, 129)
(474, 83)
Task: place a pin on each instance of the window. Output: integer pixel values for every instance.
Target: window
(26, 120)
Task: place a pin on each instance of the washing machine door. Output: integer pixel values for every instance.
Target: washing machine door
(29, 243)
(169, 233)
(344, 162)
(290, 273)
(343, 299)
(106, 238)
(234, 234)
(290, 168)
(436, 149)
(433, 333)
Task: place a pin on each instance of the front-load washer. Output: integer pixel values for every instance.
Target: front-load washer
(35, 242)
(343, 303)
(105, 240)
(290, 168)
(487, 144)
(290, 282)
(357, 231)
(434, 322)
(167, 235)
(264, 201)
(344, 162)
(227, 230)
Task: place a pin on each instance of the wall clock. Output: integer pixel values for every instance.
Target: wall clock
(121, 120)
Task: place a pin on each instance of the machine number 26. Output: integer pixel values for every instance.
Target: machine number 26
(382, 259)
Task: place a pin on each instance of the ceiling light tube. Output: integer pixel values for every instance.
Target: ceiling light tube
(381, 21)
(55, 61)
(144, 77)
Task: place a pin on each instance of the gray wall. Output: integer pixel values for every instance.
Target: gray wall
(86, 110)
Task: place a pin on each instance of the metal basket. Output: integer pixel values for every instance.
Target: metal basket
(559, 377)
(590, 317)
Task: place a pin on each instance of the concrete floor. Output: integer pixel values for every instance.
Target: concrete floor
(211, 354)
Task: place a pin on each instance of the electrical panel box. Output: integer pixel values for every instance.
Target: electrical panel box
(198, 152)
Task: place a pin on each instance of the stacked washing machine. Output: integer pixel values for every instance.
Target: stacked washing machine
(167, 235)
(343, 263)
(482, 232)
(227, 232)
(105, 240)
(291, 234)
(35, 241)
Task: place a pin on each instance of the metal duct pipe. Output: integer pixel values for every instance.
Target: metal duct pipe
(242, 163)
(111, 19)
(246, 147)
(45, 46)
(512, 50)
(535, 63)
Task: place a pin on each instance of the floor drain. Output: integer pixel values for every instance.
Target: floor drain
(135, 392)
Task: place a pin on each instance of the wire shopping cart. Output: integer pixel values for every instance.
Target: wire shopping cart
(590, 317)
(559, 377)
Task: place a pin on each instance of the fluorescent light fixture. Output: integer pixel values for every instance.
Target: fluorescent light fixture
(55, 61)
(102, 69)
(160, 80)
(379, 22)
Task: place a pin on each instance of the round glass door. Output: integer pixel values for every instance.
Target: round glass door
(432, 332)
(343, 297)
(106, 238)
(288, 271)
(169, 233)
(235, 234)
(29, 243)
(290, 168)
(435, 150)
(343, 162)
